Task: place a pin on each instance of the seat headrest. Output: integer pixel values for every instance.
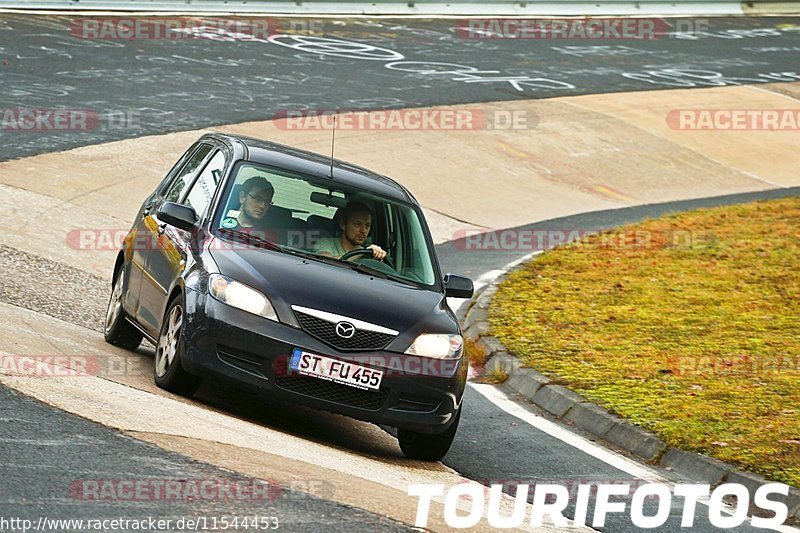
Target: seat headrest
(233, 200)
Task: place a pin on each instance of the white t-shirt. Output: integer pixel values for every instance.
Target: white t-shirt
(331, 245)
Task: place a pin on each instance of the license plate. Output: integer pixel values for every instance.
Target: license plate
(329, 369)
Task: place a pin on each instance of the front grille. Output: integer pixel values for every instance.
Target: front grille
(325, 331)
(333, 392)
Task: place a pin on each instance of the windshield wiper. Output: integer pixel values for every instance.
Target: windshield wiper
(366, 269)
(311, 255)
(251, 238)
(275, 246)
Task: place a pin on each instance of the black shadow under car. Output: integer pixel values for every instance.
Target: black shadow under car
(287, 273)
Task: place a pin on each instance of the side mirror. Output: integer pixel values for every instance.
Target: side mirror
(181, 216)
(458, 286)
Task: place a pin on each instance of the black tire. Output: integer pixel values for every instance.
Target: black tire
(117, 330)
(425, 447)
(168, 371)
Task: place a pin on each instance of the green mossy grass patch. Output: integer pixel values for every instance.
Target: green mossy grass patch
(688, 325)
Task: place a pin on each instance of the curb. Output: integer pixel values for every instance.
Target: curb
(573, 409)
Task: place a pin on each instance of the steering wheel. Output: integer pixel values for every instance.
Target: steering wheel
(367, 251)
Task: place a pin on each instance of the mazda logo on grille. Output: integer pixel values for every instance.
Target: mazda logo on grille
(345, 330)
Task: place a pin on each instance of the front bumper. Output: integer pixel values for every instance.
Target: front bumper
(251, 353)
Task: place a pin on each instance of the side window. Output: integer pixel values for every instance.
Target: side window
(202, 191)
(167, 181)
(184, 176)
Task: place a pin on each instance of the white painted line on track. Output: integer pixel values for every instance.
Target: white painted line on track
(499, 399)
(503, 402)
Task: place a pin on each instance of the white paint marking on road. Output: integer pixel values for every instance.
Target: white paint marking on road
(456, 303)
(503, 402)
(488, 277)
(498, 398)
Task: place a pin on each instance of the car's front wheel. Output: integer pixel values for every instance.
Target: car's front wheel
(169, 372)
(425, 447)
(118, 331)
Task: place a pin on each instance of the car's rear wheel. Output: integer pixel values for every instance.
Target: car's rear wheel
(425, 447)
(169, 372)
(118, 331)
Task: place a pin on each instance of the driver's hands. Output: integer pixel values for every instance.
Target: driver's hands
(377, 252)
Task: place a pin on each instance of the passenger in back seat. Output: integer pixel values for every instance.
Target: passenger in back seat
(255, 197)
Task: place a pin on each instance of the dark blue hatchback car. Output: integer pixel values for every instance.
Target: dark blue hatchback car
(290, 274)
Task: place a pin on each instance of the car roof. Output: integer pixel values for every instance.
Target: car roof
(313, 164)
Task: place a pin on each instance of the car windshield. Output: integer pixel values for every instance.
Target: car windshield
(326, 221)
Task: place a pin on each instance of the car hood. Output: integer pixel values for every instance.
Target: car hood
(291, 280)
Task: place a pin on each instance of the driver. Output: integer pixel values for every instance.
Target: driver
(355, 222)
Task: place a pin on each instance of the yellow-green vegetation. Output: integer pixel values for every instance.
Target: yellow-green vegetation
(687, 325)
(495, 376)
(475, 353)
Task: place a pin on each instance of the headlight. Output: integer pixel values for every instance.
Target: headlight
(240, 296)
(440, 346)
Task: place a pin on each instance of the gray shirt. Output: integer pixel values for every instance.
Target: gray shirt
(331, 245)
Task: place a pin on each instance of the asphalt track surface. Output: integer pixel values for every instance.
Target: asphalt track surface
(166, 86)
(154, 86)
(50, 474)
